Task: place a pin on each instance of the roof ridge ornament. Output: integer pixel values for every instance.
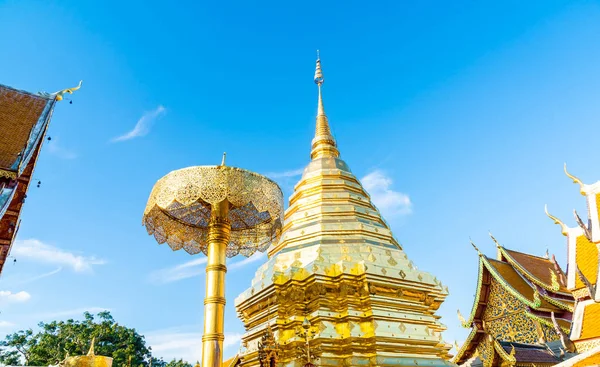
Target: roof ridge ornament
(494, 239)
(563, 227)
(555, 285)
(590, 287)
(59, 95)
(564, 338)
(475, 247)
(582, 186)
(462, 320)
(586, 228)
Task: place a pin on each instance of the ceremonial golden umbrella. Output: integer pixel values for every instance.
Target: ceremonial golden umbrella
(220, 211)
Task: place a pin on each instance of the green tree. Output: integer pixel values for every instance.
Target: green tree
(57, 338)
(178, 363)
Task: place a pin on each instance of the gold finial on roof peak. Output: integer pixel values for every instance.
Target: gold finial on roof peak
(495, 240)
(323, 144)
(59, 95)
(563, 227)
(577, 181)
(475, 246)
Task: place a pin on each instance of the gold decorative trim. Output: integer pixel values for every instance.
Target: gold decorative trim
(7, 174)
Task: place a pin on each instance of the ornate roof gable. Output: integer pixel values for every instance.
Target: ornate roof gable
(583, 242)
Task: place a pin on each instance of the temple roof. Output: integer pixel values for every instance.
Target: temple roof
(542, 271)
(510, 275)
(516, 284)
(529, 353)
(583, 240)
(591, 321)
(23, 117)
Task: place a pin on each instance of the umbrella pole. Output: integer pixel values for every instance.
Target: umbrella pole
(214, 303)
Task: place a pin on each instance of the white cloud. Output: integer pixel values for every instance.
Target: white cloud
(6, 324)
(194, 268)
(182, 271)
(41, 276)
(71, 312)
(183, 343)
(390, 202)
(8, 296)
(58, 150)
(258, 256)
(142, 127)
(285, 174)
(38, 251)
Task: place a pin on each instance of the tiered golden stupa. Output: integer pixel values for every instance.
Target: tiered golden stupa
(583, 243)
(339, 269)
(89, 360)
(521, 309)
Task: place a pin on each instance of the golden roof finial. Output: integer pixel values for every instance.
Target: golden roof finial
(577, 181)
(462, 320)
(323, 145)
(564, 229)
(494, 239)
(91, 351)
(59, 95)
(475, 246)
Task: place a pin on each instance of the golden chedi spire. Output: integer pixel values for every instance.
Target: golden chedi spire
(338, 266)
(323, 144)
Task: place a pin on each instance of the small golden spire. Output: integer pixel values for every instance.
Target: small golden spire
(564, 229)
(323, 144)
(91, 351)
(577, 181)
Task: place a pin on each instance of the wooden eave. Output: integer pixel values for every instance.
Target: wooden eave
(9, 223)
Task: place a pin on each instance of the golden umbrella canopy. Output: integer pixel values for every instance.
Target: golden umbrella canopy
(220, 211)
(180, 207)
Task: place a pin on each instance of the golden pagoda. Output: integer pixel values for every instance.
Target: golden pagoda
(338, 270)
(583, 243)
(521, 313)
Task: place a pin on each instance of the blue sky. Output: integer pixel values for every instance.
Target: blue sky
(468, 109)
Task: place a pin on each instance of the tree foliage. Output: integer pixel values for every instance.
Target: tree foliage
(174, 363)
(55, 339)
